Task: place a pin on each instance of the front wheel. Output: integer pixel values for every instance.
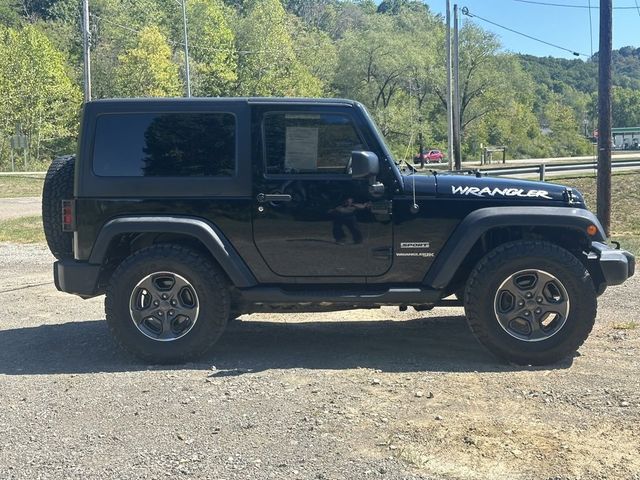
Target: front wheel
(530, 302)
(167, 304)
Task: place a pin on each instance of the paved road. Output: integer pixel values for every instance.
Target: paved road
(19, 207)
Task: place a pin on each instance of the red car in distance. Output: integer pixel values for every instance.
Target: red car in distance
(429, 156)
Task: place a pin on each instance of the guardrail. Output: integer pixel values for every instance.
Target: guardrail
(540, 170)
(543, 168)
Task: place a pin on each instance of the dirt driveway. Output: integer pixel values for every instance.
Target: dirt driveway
(365, 394)
(19, 207)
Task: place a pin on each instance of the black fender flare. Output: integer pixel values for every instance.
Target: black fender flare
(208, 234)
(474, 225)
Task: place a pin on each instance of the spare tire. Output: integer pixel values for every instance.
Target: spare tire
(58, 186)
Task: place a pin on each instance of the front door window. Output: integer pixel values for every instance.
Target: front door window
(309, 143)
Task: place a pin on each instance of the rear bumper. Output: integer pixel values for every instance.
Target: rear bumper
(616, 265)
(79, 278)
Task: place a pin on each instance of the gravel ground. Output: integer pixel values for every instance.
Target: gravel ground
(20, 207)
(363, 394)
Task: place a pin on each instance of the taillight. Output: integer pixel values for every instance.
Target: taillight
(68, 216)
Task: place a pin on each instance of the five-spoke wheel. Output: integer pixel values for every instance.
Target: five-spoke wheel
(530, 302)
(531, 305)
(167, 303)
(164, 306)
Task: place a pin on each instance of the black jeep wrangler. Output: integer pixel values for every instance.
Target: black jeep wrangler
(188, 213)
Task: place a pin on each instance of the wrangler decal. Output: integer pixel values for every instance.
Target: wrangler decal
(502, 192)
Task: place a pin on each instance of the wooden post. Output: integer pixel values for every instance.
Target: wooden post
(604, 112)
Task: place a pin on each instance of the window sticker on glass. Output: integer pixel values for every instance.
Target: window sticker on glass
(301, 149)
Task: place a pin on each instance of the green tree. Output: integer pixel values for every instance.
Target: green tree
(395, 7)
(212, 48)
(37, 93)
(10, 12)
(565, 134)
(115, 29)
(147, 69)
(625, 107)
(389, 65)
(316, 52)
(371, 65)
(267, 63)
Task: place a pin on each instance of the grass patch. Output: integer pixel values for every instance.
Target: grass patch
(22, 230)
(625, 198)
(630, 243)
(11, 187)
(626, 326)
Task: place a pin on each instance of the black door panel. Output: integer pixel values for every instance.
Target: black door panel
(328, 228)
(310, 218)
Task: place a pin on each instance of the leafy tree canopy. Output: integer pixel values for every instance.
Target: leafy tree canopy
(389, 55)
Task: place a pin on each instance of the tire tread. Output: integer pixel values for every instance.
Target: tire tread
(213, 276)
(515, 250)
(58, 186)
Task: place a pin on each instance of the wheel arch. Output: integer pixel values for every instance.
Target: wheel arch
(487, 228)
(199, 234)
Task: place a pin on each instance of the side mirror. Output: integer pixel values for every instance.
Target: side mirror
(364, 164)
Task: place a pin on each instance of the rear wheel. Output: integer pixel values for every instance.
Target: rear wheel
(167, 304)
(531, 303)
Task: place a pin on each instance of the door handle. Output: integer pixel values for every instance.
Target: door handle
(273, 197)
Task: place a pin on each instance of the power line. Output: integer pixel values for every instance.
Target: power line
(200, 47)
(566, 5)
(637, 7)
(172, 42)
(466, 12)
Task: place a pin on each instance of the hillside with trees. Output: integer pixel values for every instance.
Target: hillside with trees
(388, 56)
(578, 80)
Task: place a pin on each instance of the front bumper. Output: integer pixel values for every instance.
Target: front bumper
(79, 278)
(616, 265)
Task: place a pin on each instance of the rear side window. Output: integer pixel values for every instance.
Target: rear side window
(165, 145)
(309, 143)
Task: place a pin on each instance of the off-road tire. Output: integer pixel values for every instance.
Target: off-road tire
(211, 288)
(507, 259)
(58, 186)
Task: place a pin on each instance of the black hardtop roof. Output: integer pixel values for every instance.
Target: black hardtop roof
(252, 100)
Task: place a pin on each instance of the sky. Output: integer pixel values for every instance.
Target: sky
(567, 27)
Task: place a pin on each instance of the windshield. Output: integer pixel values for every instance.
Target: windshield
(383, 143)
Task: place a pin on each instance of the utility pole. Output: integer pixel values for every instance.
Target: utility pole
(186, 48)
(450, 153)
(604, 113)
(456, 91)
(85, 46)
